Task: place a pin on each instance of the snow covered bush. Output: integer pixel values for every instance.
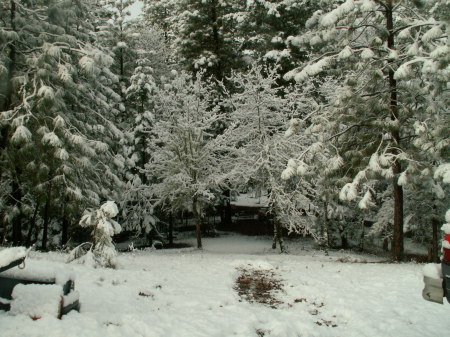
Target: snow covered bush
(101, 251)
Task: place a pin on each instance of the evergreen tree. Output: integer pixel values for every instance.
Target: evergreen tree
(57, 122)
(152, 66)
(265, 28)
(377, 49)
(102, 251)
(205, 38)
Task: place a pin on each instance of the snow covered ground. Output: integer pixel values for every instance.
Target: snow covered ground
(190, 293)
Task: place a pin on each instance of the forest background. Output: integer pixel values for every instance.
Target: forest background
(337, 110)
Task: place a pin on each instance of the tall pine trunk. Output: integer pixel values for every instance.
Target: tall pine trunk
(32, 225)
(171, 220)
(198, 229)
(46, 218)
(434, 246)
(65, 231)
(397, 241)
(326, 227)
(17, 221)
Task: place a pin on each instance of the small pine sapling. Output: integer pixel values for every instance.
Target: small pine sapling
(101, 251)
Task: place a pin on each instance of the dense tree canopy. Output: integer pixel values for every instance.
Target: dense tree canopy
(337, 109)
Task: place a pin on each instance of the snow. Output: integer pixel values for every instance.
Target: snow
(302, 168)
(52, 139)
(22, 134)
(71, 297)
(46, 91)
(367, 53)
(413, 49)
(432, 270)
(366, 201)
(43, 271)
(250, 200)
(62, 154)
(346, 52)
(188, 292)
(440, 51)
(36, 300)
(402, 180)
(110, 209)
(290, 170)
(432, 34)
(11, 254)
(443, 171)
(374, 163)
(402, 72)
(447, 218)
(312, 69)
(367, 5)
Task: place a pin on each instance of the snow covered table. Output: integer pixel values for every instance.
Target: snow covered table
(40, 285)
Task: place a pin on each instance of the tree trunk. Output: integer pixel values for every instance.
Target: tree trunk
(32, 225)
(434, 247)
(46, 219)
(397, 241)
(17, 221)
(65, 231)
(326, 227)
(225, 210)
(171, 229)
(198, 229)
(385, 244)
(344, 241)
(361, 241)
(217, 42)
(278, 236)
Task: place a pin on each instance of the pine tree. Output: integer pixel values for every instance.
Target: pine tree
(60, 119)
(265, 28)
(102, 251)
(151, 68)
(205, 37)
(377, 49)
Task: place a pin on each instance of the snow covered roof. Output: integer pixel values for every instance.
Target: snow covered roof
(246, 200)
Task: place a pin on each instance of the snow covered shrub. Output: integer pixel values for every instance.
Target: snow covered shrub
(101, 251)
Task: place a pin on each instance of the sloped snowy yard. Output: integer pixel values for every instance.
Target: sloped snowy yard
(190, 293)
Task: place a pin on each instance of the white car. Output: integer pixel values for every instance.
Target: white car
(437, 277)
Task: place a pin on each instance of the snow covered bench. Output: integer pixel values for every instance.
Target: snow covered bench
(40, 288)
